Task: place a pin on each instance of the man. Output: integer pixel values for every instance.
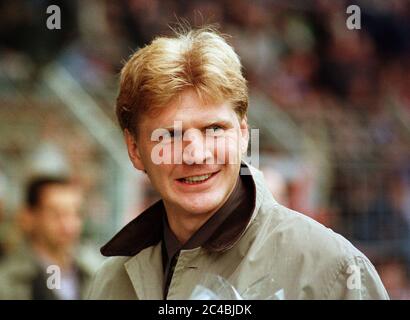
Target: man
(49, 265)
(212, 219)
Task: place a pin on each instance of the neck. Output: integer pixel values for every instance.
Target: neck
(185, 226)
(58, 256)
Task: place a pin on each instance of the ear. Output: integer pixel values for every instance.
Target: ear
(133, 151)
(26, 221)
(244, 134)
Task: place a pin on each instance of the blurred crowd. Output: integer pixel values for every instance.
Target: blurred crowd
(348, 90)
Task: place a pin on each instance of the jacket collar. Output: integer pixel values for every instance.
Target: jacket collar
(146, 229)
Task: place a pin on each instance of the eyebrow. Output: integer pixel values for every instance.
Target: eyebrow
(222, 122)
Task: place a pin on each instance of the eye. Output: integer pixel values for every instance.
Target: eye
(215, 130)
(166, 136)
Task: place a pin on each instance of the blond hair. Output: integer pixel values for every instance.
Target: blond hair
(198, 59)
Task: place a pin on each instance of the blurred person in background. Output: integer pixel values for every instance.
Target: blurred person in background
(393, 272)
(51, 223)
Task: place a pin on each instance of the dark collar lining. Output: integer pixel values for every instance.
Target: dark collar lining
(147, 229)
(142, 232)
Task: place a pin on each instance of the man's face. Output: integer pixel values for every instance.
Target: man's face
(202, 174)
(57, 221)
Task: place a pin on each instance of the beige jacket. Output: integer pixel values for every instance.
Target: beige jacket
(305, 259)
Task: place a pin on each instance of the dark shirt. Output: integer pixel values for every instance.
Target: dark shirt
(171, 247)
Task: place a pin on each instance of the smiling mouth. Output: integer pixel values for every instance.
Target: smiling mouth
(197, 179)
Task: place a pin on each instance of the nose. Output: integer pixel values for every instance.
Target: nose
(196, 152)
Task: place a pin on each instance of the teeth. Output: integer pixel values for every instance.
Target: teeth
(195, 179)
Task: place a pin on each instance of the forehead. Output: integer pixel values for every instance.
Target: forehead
(191, 110)
(60, 195)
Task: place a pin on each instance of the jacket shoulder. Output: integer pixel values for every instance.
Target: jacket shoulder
(325, 260)
(111, 281)
(305, 235)
(16, 273)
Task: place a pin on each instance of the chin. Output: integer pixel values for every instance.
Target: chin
(201, 207)
(200, 210)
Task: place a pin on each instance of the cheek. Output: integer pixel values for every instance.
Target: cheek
(76, 225)
(49, 229)
(159, 174)
(157, 155)
(227, 149)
